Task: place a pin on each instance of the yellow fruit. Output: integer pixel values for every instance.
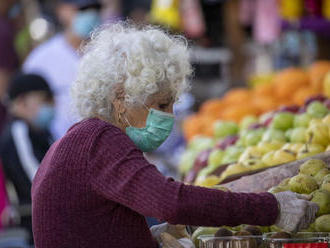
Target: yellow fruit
(265, 147)
(315, 122)
(268, 159)
(284, 156)
(208, 181)
(233, 169)
(294, 147)
(318, 134)
(252, 152)
(328, 148)
(220, 187)
(326, 120)
(309, 150)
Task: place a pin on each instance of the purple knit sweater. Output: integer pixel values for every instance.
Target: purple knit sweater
(94, 188)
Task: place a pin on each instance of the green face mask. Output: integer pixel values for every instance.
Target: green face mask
(158, 127)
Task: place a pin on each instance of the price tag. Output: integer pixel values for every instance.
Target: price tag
(306, 245)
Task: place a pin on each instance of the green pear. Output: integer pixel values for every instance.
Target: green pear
(311, 167)
(322, 199)
(278, 189)
(326, 178)
(311, 228)
(326, 183)
(321, 174)
(322, 223)
(303, 184)
(285, 182)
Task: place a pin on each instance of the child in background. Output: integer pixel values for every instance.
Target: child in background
(26, 137)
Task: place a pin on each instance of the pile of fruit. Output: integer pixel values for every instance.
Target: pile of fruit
(313, 179)
(249, 236)
(287, 134)
(287, 87)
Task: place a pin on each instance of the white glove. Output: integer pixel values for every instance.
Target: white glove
(177, 231)
(295, 211)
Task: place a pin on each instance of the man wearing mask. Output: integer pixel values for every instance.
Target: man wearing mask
(57, 59)
(26, 139)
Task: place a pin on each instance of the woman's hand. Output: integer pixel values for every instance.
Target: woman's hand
(168, 241)
(295, 211)
(177, 231)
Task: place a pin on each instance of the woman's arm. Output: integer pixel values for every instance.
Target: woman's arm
(120, 173)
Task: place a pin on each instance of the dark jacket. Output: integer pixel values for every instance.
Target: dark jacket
(22, 148)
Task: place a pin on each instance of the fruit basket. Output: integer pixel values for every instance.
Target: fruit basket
(299, 240)
(209, 241)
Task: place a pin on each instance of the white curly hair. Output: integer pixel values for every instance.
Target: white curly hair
(144, 61)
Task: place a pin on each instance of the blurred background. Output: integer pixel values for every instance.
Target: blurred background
(236, 46)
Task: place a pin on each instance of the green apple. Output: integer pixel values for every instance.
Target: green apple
(288, 134)
(298, 135)
(302, 120)
(225, 128)
(271, 135)
(232, 154)
(282, 121)
(247, 121)
(187, 161)
(253, 137)
(215, 157)
(317, 109)
(201, 143)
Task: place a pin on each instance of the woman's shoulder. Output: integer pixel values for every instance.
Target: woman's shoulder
(92, 124)
(94, 127)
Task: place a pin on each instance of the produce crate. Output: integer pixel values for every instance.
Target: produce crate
(299, 240)
(209, 241)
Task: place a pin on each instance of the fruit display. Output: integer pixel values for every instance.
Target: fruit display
(313, 179)
(287, 87)
(287, 134)
(242, 236)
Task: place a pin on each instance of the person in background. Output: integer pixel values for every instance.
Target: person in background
(26, 139)
(57, 59)
(8, 57)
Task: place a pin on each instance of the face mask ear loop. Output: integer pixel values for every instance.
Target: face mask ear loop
(146, 107)
(127, 122)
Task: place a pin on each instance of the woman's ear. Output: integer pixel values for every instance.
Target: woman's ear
(119, 99)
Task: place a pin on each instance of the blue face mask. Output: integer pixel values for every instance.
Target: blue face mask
(84, 23)
(14, 11)
(44, 116)
(158, 127)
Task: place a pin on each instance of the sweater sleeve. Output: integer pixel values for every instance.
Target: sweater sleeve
(120, 173)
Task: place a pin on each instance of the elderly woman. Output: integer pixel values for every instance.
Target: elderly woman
(94, 186)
